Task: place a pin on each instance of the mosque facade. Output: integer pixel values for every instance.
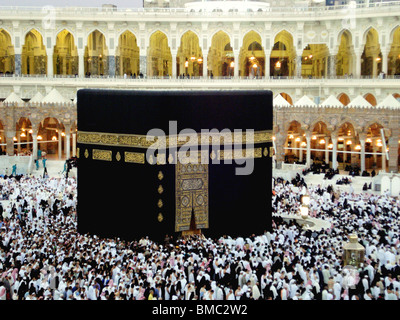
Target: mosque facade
(333, 68)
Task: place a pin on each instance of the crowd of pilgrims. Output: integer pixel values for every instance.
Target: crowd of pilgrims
(42, 256)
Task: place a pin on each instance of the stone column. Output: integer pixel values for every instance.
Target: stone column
(362, 156)
(332, 66)
(17, 61)
(267, 66)
(393, 145)
(174, 69)
(143, 63)
(374, 66)
(280, 139)
(326, 150)
(50, 67)
(74, 144)
(383, 160)
(18, 134)
(385, 54)
(308, 158)
(67, 144)
(358, 65)
(35, 144)
(300, 151)
(334, 151)
(236, 69)
(10, 134)
(205, 65)
(111, 65)
(59, 144)
(81, 63)
(298, 66)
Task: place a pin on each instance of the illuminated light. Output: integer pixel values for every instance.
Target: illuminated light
(186, 64)
(273, 138)
(192, 58)
(368, 140)
(330, 146)
(305, 199)
(252, 58)
(232, 64)
(255, 66)
(30, 131)
(54, 138)
(278, 65)
(340, 139)
(291, 136)
(39, 137)
(200, 60)
(349, 142)
(63, 134)
(310, 56)
(15, 138)
(303, 144)
(23, 135)
(314, 137)
(297, 139)
(357, 147)
(378, 59)
(379, 144)
(322, 141)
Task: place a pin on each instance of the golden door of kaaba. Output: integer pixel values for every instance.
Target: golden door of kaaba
(191, 194)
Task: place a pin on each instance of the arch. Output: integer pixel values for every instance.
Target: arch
(65, 56)
(252, 56)
(284, 36)
(189, 59)
(23, 135)
(282, 55)
(314, 60)
(127, 55)
(120, 32)
(344, 98)
(294, 139)
(370, 98)
(220, 61)
(188, 30)
(7, 64)
(345, 125)
(342, 32)
(96, 52)
(345, 54)
(394, 53)
(50, 136)
(371, 57)
(221, 31)
(374, 144)
(34, 56)
(159, 58)
(287, 97)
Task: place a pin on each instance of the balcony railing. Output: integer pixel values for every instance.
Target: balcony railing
(194, 78)
(7, 11)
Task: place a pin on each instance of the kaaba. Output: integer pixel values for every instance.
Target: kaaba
(174, 162)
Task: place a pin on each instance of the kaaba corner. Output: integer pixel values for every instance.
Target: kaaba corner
(177, 162)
